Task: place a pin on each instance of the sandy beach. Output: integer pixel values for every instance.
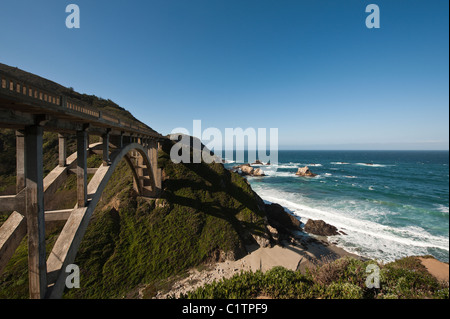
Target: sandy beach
(437, 268)
(299, 255)
(294, 255)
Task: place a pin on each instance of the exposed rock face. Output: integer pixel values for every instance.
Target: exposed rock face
(258, 172)
(262, 240)
(304, 171)
(319, 227)
(221, 256)
(257, 162)
(247, 169)
(279, 218)
(273, 233)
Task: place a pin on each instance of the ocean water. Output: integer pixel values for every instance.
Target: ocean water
(395, 207)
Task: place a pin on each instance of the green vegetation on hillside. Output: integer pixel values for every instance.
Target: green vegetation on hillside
(49, 151)
(344, 278)
(205, 213)
(141, 241)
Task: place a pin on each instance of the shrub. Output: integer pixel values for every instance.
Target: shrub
(441, 294)
(280, 282)
(341, 279)
(408, 278)
(343, 291)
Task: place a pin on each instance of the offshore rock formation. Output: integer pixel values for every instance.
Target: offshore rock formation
(320, 228)
(248, 170)
(304, 171)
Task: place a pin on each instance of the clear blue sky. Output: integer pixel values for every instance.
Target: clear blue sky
(309, 68)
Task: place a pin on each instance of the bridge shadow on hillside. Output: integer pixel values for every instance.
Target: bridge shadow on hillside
(220, 189)
(313, 250)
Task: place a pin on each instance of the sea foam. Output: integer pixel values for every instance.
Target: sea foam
(373, 165)
(441, 208)
(365, 237)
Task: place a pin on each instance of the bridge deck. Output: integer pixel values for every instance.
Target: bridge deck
(32, 109)
(23, 104)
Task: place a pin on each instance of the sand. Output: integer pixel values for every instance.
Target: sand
(289, 255)
(436, 268)
(298, 254)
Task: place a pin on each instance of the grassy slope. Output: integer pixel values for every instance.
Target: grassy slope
(143, 241)
(206, 212)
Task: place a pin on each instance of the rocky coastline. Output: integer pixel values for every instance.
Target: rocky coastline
(288, 244)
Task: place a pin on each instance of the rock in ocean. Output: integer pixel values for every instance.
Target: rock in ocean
(320, 228)
(304, 171)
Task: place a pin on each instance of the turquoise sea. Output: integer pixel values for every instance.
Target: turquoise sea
(391, 204)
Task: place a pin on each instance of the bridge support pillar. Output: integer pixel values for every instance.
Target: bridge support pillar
(82, 168)
(140, 170)
(62, 150)
(35, 212)
(20, 161)
(120, 140)
(153, 156)
(105, 148)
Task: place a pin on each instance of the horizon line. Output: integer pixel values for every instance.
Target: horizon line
(351, 150)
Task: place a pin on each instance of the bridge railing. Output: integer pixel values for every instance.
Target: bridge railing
(79, 106)
(19, 87)
(14, 85)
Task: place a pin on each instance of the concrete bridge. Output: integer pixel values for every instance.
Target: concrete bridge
(31, 110)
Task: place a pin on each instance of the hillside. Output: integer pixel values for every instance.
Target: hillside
(105, 105)
(206, 213)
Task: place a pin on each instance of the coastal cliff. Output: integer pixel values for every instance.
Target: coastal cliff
(205, 214)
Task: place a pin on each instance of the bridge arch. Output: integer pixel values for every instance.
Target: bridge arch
(30, 105)
(143, 172)
(68, 242)
(140, 158)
